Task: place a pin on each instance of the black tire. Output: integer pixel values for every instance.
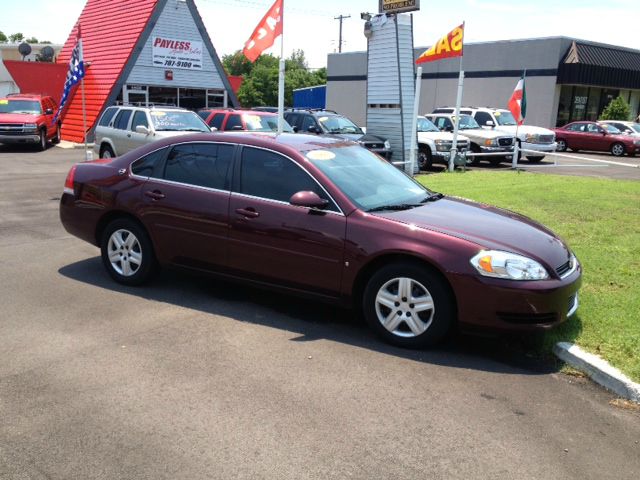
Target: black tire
(475, 149)
(425, 158)
(130, 251)
(42, 142)
(617, 149)
(535, 159)
(436, 322)
(106, 152)
(561, 146)
(57, 137)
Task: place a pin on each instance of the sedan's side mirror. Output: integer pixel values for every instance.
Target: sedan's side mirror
(312, 129)
(308, 199)
(489, 123)
(295, 129)
(142, 129)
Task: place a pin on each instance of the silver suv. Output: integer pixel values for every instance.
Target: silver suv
(123, 128)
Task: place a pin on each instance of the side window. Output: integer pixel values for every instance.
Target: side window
(148, 165)
(122, 120)
(107, 116)
(234, 122)
(201, 164)
(292, 119)
(483, 117)
(577, 127)
(216, 121)
(139, 118)
(591, 128)
(269, 175)
(308, 121)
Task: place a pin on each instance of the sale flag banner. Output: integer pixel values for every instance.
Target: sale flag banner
(269, 28)
(448, 46)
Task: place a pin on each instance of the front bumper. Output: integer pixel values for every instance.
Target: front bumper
(23, 138)
(504, 305)
(539, 147)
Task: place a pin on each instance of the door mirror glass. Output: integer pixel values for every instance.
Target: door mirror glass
(48, 111)
(142, 129)
(489, 123)
(308, 199)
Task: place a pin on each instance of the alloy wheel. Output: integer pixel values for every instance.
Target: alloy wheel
(125, 252)
(404, 307)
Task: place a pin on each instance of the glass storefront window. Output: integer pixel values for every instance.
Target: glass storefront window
(163, 96)
(593, 104)
(192, 98)
(579, 103)
(564, 106)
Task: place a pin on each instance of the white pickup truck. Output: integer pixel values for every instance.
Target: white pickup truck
(434, 146)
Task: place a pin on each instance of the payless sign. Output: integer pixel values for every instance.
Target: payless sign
(175, 53)
(398, 6)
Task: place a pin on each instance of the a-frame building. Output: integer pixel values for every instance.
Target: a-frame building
(143, 52)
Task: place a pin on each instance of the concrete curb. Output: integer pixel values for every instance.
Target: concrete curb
(598, 370)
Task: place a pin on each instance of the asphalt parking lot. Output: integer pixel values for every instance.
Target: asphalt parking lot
(194, 378)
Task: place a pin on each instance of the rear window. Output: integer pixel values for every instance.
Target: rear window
(216, 121)
(107, 116)
(203, 114)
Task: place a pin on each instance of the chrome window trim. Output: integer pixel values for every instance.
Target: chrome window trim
(280, 202)
(303, 169)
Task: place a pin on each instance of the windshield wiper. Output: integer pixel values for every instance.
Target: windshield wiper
(433, 198)
(396, 206)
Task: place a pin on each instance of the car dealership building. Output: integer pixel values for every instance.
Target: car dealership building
(566, 79)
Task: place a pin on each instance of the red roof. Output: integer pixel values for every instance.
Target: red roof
(110, 31)
(38, 77)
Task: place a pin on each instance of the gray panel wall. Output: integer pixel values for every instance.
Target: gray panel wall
(352, 95)
(175, 21)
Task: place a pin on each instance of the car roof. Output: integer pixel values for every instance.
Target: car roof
(260, 113)
(25, 96)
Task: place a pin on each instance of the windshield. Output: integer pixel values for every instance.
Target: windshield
(265, 123)
(19, 106)
(467, 122)
(505, 118)
(368, 180)
(338, 124)
(425, 125)
(177, 121)
(610, 128)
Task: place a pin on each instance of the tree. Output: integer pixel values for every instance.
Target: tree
(618, 109)
(237, 64)
(16, 37)
(3, 38)
(31, 40)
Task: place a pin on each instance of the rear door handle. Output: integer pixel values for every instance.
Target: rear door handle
(248, 212)
(155, 195)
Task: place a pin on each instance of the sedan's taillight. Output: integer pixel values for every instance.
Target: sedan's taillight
(68, 183)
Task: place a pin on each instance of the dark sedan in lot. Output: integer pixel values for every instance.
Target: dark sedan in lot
(595, 136)
(327, 218)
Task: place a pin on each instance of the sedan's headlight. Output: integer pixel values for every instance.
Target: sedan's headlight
(494, 263)
(387, 144)
(490, 143)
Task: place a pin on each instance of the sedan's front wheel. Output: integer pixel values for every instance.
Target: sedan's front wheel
(127, 253)
(408, 305)
(617, 149)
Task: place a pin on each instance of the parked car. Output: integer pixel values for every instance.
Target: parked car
(481, 141)
(328, 122)
(628, 128)
(540, 139)
(434, 146)
(227, 119)
(123, 128)
(28, 118)
(326, 218)
(596, 136)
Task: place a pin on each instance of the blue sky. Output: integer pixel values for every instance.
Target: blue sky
(311, 25)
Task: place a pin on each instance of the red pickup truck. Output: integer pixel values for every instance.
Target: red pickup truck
(28, 118)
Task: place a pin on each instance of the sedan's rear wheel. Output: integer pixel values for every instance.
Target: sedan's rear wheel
(408, 305)
(561, 146)
(617, 149)
(127, 253)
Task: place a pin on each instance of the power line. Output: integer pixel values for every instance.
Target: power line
(340, 17)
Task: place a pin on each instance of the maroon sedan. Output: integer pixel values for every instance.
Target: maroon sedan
(595, 136)
(322, 217)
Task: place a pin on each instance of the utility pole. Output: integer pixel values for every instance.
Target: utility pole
(341, 17)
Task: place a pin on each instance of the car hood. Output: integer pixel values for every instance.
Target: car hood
(172, 133)
(488, 227)
(523, 130)
(441, 136)
(486, 134)
(18, 118)
(358, 137)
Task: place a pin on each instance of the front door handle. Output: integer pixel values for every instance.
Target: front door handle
(155, 194)
(248, 212)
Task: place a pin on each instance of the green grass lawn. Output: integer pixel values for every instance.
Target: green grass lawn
(600, 221)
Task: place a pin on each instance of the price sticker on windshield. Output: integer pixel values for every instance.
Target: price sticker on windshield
(158, 114)
(4, 102)
(497, 114)
(320, 155)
